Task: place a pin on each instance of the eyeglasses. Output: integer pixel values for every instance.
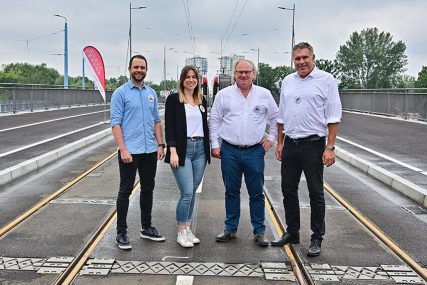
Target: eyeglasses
(245, 72)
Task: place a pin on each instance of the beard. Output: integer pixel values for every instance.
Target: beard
(138, 77)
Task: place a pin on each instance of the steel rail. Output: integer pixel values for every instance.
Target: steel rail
(10, 226)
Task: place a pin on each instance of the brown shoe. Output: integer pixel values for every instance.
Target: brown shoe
(225, 236)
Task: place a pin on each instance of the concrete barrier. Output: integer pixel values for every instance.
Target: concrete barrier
(16, 171)
(406, 187)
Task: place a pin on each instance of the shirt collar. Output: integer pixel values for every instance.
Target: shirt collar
(313, 74)
(131, 85)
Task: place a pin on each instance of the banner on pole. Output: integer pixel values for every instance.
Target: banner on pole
(96, 66)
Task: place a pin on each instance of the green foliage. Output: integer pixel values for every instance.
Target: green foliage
(114, 83)
(169, 85)
(371, 59)
(271, 77)
(30, 74)
(406, 81)
(421, 81)
(327, 65)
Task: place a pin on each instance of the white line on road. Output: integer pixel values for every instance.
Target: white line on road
(49, 121)
(416, 169)
(48, 140)
(184, 280)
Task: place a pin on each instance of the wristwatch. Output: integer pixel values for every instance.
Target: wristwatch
(162, 145)
(331, 148)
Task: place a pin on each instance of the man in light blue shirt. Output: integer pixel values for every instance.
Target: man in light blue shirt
(138, 134)
(309, 114)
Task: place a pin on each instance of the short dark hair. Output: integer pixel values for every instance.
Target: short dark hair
(303, 45)
(137, 56)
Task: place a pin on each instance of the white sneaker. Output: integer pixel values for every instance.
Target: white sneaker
(183, 240)
(191, 237)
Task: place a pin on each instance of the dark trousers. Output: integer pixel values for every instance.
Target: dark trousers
(297, 157)
(146, 164)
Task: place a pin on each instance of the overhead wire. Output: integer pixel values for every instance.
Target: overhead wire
(235, 23)
(189, 25)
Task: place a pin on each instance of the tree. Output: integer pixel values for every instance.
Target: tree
(32, 74)
(406, 81)
(327, 65)
(371, 59)
(271, 77)
(421, 81)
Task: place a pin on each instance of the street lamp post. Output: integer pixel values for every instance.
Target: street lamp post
(257, 68)
(65, 51)
(130, 26)
(293, 28)
(164, 68)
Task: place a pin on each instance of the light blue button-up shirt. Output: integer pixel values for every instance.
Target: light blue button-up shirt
(136, 111)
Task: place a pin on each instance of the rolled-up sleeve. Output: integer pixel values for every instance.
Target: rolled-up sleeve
(272, 117)
(281, 113)
(333, 108)
(116, 109)
(215, 119)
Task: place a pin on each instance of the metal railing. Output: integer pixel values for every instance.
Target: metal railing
(15, 98)
(408, 103)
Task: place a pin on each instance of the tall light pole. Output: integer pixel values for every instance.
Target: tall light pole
(257, 68)
(164, 68)
(130, 25)
(293, 28)
(65, 51)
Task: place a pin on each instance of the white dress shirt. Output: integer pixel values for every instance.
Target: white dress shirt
(307, 105)
(240, 120)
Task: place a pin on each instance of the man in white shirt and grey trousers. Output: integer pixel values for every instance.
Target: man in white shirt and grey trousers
(239, 117)
(309, 114)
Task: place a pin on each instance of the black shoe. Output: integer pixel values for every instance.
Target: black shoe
(225, 236)
(285, 239)
(152, 234)
(122, 241)
(261, 240)
(314, 249)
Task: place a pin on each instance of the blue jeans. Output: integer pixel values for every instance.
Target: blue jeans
(188, 178)
(234, 163)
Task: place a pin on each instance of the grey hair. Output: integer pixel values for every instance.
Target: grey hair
(303, 45)
(242, 60)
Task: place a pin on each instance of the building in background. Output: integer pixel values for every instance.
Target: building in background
(200, 62)
(226, 63)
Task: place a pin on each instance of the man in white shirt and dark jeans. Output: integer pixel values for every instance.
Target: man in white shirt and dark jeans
(239, 117)
(309, 114)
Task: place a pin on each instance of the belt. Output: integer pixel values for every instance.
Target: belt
(311, 138)
(241, 146)
(195, 138)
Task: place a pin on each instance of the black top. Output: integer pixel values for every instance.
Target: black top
(176, 128)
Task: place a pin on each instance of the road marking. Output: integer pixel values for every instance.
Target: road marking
(48, 140)
(184, 280)
(416, 169)
(49, 121)
(200, 188)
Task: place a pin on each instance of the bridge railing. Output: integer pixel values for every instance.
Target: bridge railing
(28, 98)
(406, 103)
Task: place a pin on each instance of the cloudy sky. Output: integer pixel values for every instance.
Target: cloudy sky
(30, 33)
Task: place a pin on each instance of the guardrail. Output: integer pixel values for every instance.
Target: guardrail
(17, 98)
(406, 103)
